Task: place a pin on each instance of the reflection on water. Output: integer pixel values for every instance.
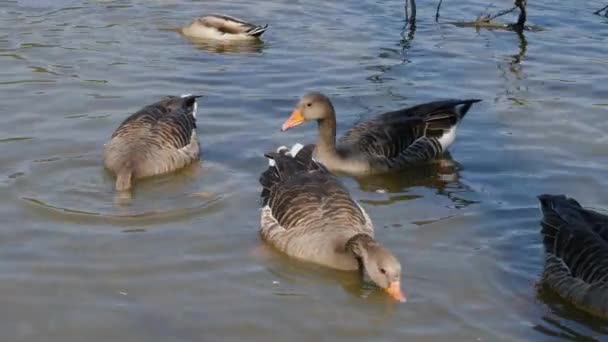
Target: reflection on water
(82, 196)
(287, 274)
(553, 323)
(226, 47)
(441, 175)
(218, 46)
(409, 26)
(511, 70)
(437, 175)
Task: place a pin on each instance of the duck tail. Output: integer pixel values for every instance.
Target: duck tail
(189, 103)
(124, 180)
(560, 215)
(285, 163)
(463, 106)
(257, 31)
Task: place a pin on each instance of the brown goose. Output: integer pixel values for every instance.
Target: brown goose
(576, 253)
(222, 27)
(309, 215)
(386, 142)
(157, 139)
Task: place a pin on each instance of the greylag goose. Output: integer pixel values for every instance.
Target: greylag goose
(309, 215)
(386, 142)
(576, 253)
(222, 27)
(157, 139)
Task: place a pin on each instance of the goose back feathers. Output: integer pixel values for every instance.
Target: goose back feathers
(308, 214)
(576, 253)
(157, 139)
(407, 136)
(389, 141)
(223, 27)
(301, 192)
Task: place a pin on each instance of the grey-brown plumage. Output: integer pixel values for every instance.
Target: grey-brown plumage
(157, 139)
(308, 214)
(390, 141)
(576, 253)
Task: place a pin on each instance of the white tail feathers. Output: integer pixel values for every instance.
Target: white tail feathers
(290, 152)
(194, 107)
(271, 162)
(295, 149)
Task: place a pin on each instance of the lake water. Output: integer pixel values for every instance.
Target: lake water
(184, 262)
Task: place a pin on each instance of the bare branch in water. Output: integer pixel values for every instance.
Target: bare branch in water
(487, 20)
(521, 20)
(410, 19)
(605, 8)
(501, 13)
(438, 8)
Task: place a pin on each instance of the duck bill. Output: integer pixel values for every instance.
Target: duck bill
(294, 120)
(394, 290)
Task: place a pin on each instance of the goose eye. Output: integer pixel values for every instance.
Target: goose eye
(383, 271)
(308, 104)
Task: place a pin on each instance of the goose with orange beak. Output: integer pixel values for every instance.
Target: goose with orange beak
(387, 142)
(309, 215)
(295, 119)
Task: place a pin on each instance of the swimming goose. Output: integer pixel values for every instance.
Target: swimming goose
(386, 142)
(576, 253)
(222, 27)
(157, 139)
(309, 215)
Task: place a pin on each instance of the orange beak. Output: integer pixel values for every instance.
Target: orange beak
(394, 290)
(294, 120)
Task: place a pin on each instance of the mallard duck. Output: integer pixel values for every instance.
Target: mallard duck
(387, 142)
(222, 27)
(157, 139)
(309, 215)
(576, 253)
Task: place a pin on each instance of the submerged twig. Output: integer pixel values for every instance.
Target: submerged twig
(602, 9)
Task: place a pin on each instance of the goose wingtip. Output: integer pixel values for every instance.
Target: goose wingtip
(183, 96)
(551, 197)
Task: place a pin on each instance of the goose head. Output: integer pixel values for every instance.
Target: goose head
(379, 263)
(312, 106)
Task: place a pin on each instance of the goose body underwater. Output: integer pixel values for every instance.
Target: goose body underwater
(223, 27)
(309, 215)
(576, 253)
(390, 141)
(157, 139)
